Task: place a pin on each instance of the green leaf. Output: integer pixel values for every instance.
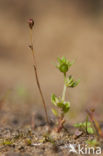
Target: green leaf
(75, 83)
(54, 99)
(89, 127)
(66, 107)
(90, 130)
(54, 112)
(83, 127)
(78, 125)
(93, 142)
(59, 61)
(88, 124)
(71, 63)
(69, 82)
(60, 104)
(63, 59)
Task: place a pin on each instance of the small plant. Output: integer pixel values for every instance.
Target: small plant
(7, 142)
(47, 138)
(90, 126)
(31, 25)
(28, 142)
(62, 105)
(90, 113)
(92, 143)
(85, 126)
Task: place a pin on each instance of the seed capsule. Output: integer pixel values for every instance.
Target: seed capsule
(31, 47)
(31, 23)
(63, 68)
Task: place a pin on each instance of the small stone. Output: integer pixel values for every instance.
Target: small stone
(77, 134)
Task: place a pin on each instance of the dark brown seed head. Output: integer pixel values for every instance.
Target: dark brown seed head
(31, 47)
(31, 23)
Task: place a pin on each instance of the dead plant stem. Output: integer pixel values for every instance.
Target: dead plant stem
(36, 76)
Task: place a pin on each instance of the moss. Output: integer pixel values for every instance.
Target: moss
(7, 142)
(28, 142)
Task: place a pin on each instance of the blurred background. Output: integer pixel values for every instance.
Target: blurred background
(70, 28)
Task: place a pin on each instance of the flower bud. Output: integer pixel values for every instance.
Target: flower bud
(31, 23)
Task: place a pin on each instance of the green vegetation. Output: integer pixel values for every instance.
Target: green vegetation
(7, 142)
(93, 142)
(61, 104)
(85, 126)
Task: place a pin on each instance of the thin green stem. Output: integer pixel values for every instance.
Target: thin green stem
(64, 92)
(61, 119)
(64, 89)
